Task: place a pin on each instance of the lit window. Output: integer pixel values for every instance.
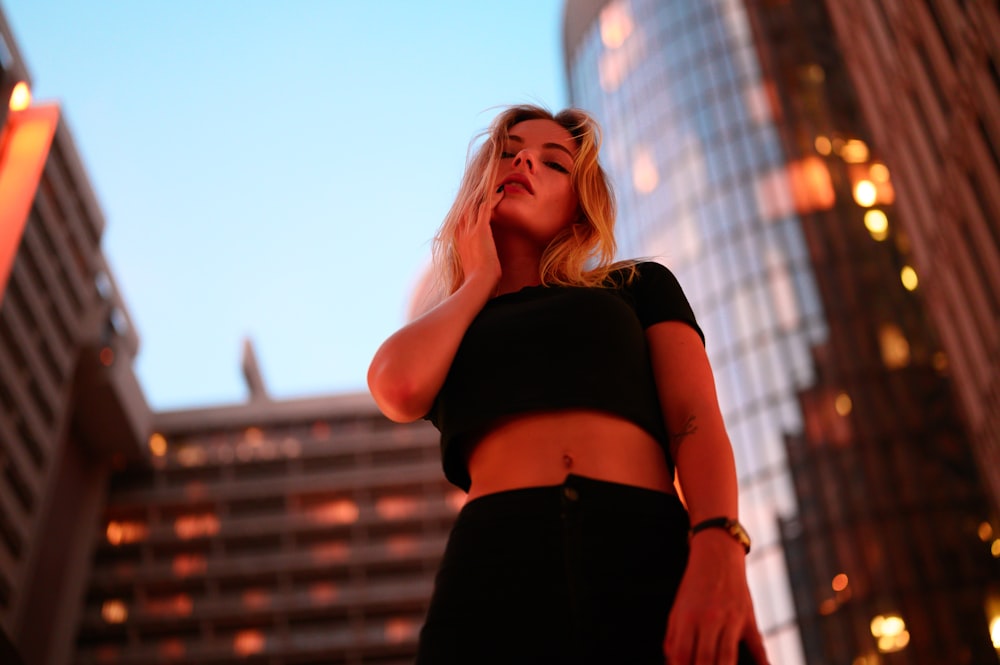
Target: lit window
(330, 551)
(894, 347)
(180, 605)
(995, 549)
(909, 278)
(195, 526)
(191, 455)
(402, 544)
(616, 24)
(253, 435)
(823, 145)
(645, 176)
(843, 404)
(400, 629)
(248, 642)
(865, 193)
(854, 151)
(890, 632)
(172, 648)
(985, 531)
(122, 533)
(256, 599)
(877, 224)
(339, 511)
(114, 611)
(20, 97)
(158, 444)
(189, 564)
(878, 172)
(995, 631)
(839, 582)
(812, 187)
(320, 430)
(396, 507)
(322, 593)
(291, 447)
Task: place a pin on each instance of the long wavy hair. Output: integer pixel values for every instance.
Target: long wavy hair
(582, 254)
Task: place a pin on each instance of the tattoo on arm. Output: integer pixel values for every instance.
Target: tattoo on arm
(687, 430)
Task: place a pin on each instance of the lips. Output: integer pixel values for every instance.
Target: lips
(519, 180)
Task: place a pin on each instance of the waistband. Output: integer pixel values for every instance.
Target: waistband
(588, 493)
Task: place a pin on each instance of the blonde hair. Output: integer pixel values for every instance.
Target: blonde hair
(579, 255)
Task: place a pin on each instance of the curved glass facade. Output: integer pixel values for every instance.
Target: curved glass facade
(699, 172)
(741, 161)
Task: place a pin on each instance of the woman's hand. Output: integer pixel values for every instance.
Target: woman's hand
(713, 611)
(476, 247)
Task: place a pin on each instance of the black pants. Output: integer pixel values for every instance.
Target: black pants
(578, 573)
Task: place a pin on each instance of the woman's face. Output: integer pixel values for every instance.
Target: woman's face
(534, 183)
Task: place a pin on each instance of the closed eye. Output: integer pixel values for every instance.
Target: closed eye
(506, 155)
(557, 166)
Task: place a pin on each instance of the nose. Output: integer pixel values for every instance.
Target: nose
(524, 157)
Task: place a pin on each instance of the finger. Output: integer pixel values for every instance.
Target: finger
(727, 644)
(679, 644)
(708, 645)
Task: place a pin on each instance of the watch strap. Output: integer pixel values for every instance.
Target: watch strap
(727, 524)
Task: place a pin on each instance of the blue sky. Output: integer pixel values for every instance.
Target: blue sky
(277, 169)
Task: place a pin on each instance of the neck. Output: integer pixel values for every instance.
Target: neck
(520, 260)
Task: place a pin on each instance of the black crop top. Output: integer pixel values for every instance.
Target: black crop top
(546, 348)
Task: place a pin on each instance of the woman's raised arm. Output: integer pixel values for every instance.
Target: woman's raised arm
(410, 367)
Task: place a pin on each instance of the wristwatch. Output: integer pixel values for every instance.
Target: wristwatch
(727, 524)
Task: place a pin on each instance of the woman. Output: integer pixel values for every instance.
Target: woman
(567, 389)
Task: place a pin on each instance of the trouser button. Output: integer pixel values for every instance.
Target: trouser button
(571, 493)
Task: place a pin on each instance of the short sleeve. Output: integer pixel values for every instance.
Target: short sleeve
(658, 297)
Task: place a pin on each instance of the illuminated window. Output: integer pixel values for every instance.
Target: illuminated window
(995, 631)
(320, 430)
(396, 507)
(20, 97)
(823, 145)
(192, 455)
(645, 176)
(180, 605)
(338, 511)
(985, 531)
(812, 187)
(878, 172)
(402, 544)
(323, 593)
(877, 224)
(256, 599)
(909, 278)
(248, 642)
(172, 648)
(854, 151)
(158, 444)
(890, 632)
(185, 565)
(123, 533)
(894, 347)
(616, 24)
(865, 193)
(291, 447)
(197, 525)
(114, 611)
(839, 582)
(400, 629)
(332, 551)
(843, 404)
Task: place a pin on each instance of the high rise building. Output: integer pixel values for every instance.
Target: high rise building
(741, 160)
(927, 81)
(70, 405)
(303, 531)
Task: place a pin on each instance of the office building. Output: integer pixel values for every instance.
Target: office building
(304, 531)
(926, 75)
(70, 406)
(741, 161)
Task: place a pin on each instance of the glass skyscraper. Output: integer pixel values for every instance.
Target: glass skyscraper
(740, 162)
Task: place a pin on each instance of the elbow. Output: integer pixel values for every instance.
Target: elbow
(397, 398)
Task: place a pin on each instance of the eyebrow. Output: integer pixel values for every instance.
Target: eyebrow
(556, 146)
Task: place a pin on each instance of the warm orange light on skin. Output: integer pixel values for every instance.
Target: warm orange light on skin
(20, 97)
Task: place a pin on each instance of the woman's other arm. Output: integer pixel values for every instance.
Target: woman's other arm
(410, 367)
(713, 610)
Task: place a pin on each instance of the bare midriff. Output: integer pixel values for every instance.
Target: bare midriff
(541, 449)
